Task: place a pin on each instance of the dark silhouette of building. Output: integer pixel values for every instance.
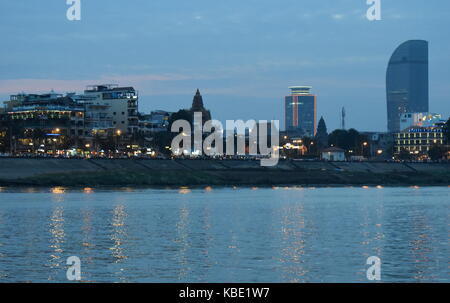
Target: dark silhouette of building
(407, 82)
(197, 106)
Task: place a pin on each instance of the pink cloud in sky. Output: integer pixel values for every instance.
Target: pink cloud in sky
(14, 86)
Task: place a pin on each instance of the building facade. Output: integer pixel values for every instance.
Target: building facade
(418, 140)
(419, 119)
(46, 113)
(156, 121)
(121, 105)
(333, 154)
(407, 82)
(301, 111)
(380, 144)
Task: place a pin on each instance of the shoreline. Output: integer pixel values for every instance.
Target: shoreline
(106, 188)
(23, 172)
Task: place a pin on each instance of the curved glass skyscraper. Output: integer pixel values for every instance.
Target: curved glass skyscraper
(407, 81)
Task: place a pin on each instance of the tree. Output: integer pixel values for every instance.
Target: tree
(436, 152)
(161, 141)
(349, 140)
(404, 155)
(447, 131)
(182, 114)
(322, 134)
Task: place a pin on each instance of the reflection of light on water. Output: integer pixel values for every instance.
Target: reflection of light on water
(370, 234)
(88, 190)
(182, 240)
(58, 190)
(184, 190)
(293, 226)
(57, 238)
(87, 228)
(119, 233)
(3, 273)
(421, 246)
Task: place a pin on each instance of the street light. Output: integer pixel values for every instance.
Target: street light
(118, 132)
(362, 150)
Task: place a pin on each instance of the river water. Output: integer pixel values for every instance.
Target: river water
(225, 234)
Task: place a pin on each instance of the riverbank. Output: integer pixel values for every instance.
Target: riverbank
(145, 172)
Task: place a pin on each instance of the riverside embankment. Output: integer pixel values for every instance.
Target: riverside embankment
(146, 172)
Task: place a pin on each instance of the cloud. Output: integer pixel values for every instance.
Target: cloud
(13, 86)
(338, 16)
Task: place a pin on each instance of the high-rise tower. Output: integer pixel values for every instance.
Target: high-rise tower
(407, 81)
(301, 111)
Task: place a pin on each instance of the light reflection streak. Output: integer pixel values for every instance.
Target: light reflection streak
(184, 190)
(57, 239)
(118, 237)
(182, 241)
(293, 251)
(88, 190)
(58, 190)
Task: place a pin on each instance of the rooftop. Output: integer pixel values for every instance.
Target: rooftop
(300, 90)
(107, 88)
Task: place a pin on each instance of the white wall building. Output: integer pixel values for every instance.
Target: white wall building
(121, 103)
(419, 119)
(333, 154)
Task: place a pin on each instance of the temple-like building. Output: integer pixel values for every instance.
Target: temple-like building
(197, 106)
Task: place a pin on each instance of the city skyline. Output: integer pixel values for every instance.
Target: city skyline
(244, 73)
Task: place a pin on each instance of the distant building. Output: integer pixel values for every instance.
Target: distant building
(419, 140)
(407, 82)
(46, 113)
(98, 120)
(121, 103)
(198, 107)
(156, 121)
(301, 111)
(419, 119)
(380, 144)
(3, 130)
(333, 154)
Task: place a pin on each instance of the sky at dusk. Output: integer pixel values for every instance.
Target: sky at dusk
(241, 54)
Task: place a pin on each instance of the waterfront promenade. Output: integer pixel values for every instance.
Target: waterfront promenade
(147, 172)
